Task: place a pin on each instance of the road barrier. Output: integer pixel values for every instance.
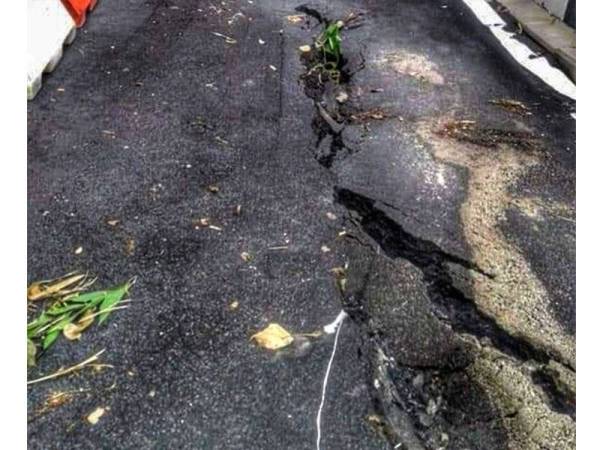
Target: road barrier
(51, 24)
(78, 9)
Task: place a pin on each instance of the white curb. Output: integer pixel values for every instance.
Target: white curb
(49, 27)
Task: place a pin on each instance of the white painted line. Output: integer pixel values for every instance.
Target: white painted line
(538, 66)
(337, 326)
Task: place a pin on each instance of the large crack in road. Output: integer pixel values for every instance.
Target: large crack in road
(434, 206)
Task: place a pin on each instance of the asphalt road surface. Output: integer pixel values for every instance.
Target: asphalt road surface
(437, 172)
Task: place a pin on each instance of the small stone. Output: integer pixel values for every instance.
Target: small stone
(152, 393)
(79, 250)
(261, 42)
(331, 216)
(304, 48)
(246, 256)
(234, 305)
(325, 249)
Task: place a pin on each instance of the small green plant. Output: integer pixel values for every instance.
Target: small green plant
(329, 43)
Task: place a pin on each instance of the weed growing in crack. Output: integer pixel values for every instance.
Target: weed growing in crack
(329, 47)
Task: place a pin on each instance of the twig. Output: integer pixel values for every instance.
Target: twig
(114, 308)
(61, 372)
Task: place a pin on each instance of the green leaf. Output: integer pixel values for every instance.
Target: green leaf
(92, 298)
(49, 339)
(112, 297)
(61, 324)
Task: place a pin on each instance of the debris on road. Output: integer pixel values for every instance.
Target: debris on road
(70, 311)
(59, 287)
(247, 257)
(513, 106)
(372, 114)
(72, 331)
(273, 337)
(469, 131)
(129, 246)
(341, 97)
(202, 222)
(296, 18)
(95, 415)
(62, 371)
(228, 40)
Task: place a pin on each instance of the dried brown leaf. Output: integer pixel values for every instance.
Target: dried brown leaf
(44, 289)
(273, 337)
(72, 331)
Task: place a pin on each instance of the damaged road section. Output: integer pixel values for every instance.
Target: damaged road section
(465, 346)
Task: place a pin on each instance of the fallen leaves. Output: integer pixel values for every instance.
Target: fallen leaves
(58, 287)
(95, 415)
(273, 337)
(296, 18)
(72, 331)
(70, 310)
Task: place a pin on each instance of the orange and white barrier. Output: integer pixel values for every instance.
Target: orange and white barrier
(51, 24)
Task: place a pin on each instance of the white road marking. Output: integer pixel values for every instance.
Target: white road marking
(519, 51)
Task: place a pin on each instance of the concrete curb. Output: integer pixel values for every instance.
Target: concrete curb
(549, 32)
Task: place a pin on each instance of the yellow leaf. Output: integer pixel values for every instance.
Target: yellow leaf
(72, 331)
(273, 337)
(43, 289)
(95, 415)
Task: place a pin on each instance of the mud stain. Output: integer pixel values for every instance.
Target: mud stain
(412, 65)
(514, 295)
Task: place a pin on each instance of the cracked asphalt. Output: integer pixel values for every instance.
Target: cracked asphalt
(460, 250)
